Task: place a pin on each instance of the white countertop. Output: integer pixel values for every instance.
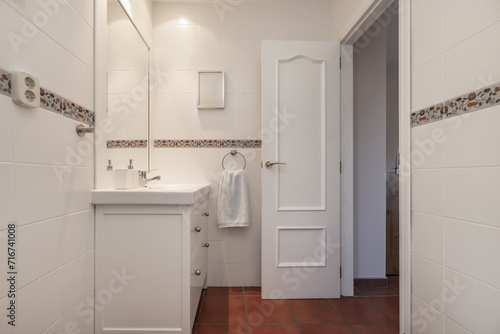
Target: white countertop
(166, 194)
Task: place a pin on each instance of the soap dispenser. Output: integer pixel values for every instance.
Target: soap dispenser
(126, 178)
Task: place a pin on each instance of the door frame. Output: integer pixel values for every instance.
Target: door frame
(361, 21)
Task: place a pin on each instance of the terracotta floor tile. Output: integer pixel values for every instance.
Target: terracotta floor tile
(325, 329)
(394, 282)
(367, 291)
(358, 310)
(223, 310)
(268, 311)
(275, 329)
(223, 329)
(357, 292)
(388, 305)
(253, 291)
(315, 311)
(375, 329)
(224, 291)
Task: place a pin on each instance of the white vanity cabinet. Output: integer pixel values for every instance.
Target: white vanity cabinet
(151, 264)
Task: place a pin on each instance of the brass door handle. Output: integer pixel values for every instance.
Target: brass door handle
(269, 164)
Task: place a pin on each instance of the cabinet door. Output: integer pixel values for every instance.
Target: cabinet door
(146, 252)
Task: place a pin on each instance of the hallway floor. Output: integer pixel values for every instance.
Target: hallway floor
(241, 311)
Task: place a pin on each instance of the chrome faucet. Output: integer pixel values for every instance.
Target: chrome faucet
(143, 178)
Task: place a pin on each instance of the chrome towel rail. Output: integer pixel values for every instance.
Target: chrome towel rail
(233, 153)
(81, 130)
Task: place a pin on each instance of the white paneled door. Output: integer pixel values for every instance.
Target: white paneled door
(301, 170)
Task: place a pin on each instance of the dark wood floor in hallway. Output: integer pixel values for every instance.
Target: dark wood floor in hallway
(238, 310)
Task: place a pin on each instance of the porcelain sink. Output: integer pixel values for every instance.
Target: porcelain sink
(180, 194)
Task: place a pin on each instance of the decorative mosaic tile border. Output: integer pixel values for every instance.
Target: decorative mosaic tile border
(52, 102)
(138, 143)
(473, 101)
(208, 143)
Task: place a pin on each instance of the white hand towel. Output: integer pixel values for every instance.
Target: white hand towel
(233, 208)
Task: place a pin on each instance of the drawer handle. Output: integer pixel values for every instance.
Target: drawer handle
(197, 229)
(207, 214)
(197, 272)
(205, 245)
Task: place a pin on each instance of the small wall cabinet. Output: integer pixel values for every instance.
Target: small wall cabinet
(151, 264)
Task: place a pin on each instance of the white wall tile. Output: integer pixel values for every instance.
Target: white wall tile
(85, 9)
(78, 279)
(215, 252)
(187, 36)
(6, 24)
(128, 59)
(46, 16)
(165, 13)
(235, 81)
(322, 32)
(46, 66)
(233, 252)
(42, 303)
(210, 58)
(428, 84)
(78, 319)
(125, 81)
(467, 294)
(466, 69)
(30, 129)
(214, 275)
(451, 327)
(253, 275)
(467, 133)
(165, 35)
(429, 32)
(188, 13)
(77, 185)
(322, 13)
(78, 151)
(425, 319)
(6, 191)
(459, 11)
(420, 9)
(4, 326)
(120, 158)
(39, 249)
(78, 80)
(77, 36)
(473, 194)
(186, 59)
(78, 232)
(233, 56)
(473, 250)
(233, 274)
(427, 191)
(8, 110)
(128, 128)
(42, 188)
(55, 328)
(427, 145)
(427, 236)
(4, 285)
(186, 82)
(211, 36)
(427, 280)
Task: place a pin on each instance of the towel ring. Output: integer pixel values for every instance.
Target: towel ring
(233, 153)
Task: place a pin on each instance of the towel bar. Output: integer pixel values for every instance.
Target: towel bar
(233, 153)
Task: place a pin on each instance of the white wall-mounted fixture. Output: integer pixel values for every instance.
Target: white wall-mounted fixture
(25, 90)
(210, 89)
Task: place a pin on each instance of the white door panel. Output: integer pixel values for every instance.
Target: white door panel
(301, 198)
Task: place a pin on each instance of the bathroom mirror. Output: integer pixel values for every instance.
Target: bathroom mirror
(128, 90)
(210, 89)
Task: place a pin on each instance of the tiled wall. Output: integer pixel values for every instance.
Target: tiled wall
(189, 37)
(456, 170)
(46, 170)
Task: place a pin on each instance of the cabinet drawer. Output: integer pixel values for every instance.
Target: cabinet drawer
(199, 226)
(199, 262)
